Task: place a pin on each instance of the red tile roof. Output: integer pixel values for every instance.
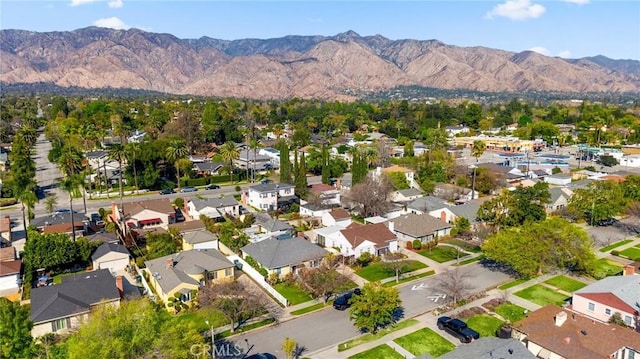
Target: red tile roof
(10, 267)
(377, 233)
(339, 213)
(321, 187)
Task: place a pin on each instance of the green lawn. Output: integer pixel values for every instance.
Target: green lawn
(542, 295)
(382, 351)
(245, 328)
(565, 283)
(57, 279)
(513, 283)
(469, 247)
(486, 325)
(470, 260)
(605, 268)
(292, 292)
(380, 270)
(425, 341)
(441, 254)
(369, 337)
(632, 253)
(615, 245)
(393, 283)
(200, 317)
(511, 312)
(310, 308)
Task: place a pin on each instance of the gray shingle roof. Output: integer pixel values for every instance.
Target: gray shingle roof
(270, 187)
(427, 204)
(277, 253)
(76, 294)
(418, 225)
(61, 218)
(410, 192)
(208, 166)
(106, 248)
(195, 237)
(557, 192)
(490, 348)
(215, 202)
(170, 277)
(468, 210)
(271, 224)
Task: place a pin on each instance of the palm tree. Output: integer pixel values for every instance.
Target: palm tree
(69, 185)
(177, 150)
(118, 153)
(229, 152)
(478, 148)
(133, 149)
(50, 202)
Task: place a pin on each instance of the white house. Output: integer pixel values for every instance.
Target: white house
(199, 239)
(273, 154)
(111, 256)
(376, 239)
(216, 207)
(265, 196)
(558, 179)
(10, 277)
(336, 216)
(630, 161)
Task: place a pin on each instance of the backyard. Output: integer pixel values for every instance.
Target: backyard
(542, 295)
(425, 341)
(442, 254)
(565, 283)
(381, 270)
(292, 292)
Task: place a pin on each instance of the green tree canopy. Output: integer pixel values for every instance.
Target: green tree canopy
(376, 307)
(15, 331)
(601, 200)
(513, 208)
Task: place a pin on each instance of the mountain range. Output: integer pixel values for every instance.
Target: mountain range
(343, 66)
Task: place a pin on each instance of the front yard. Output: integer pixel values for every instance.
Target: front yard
(380, 270)
(442, 254)
(292, 292)
(425, 341)
(486, 325)
(511, 312)
(605, 268)
(565, 283)
(632, 253)
(381, 351)
(542, 295)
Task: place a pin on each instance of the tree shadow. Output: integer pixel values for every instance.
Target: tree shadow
(494, 266)
(299, 350)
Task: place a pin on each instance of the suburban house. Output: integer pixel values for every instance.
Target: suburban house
(187, 226)
(285, 255)
(62, 307)
(266, 227)
(560, 197)
(112, 256)
(508, 173)
(308, 209)
(422, 227)
(336, 216)
(61, 223)
(6, 235)
(408, 173)
(405, 195)
(142, 214)
(247, 160)
(215, 208)
(322, 236)
(489, 348)
(106, 237)
(327, 195)
(554, 332)
(607, 296)
(468, 210)
(376, 239)
(452, 193)
(201, 239)
(185, 272)
(10, 272)
(558, 179)
(433, 206)
(208, 168)
(273, 154)
(456, 130)
(270, 196)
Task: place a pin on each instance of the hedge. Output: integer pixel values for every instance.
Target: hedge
(203, 181)
(7, 202)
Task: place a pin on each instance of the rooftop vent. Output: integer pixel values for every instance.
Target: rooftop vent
(561, 317)
(584, 332)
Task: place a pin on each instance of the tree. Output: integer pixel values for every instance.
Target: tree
(285, 163)
(50, 202)
(229, 153)
(513, 208)
(323, 281)
(161, 244)
(478, 149)
(326, 169)
(456, 283)
(371, 196)
(408, 149)
(232, 299)
(117, 152)
(608, 161)
(301, 183)
(23, 173)
(601, 200)
(15, 331)
(133, 150)
(550, 244)
(376, 307)
(289, 347)
(396, 262)
(69, 184)
(176, 151)
(398, 180)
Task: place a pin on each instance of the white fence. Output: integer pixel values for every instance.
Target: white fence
(258, 278)
(145, 285)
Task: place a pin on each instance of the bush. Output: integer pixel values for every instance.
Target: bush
(409, 245)
(7, 202)
(416, 244)
(615, 253)
(252, 262)
(453, 232)
(238, 189)
(364, 259)
(179, 202)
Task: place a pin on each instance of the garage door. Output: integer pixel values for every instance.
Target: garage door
(114, 265)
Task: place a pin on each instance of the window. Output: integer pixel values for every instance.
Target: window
(185, 297)
(627, 319)
(287, 191)
(632, 354)
(278, 271)
(212, 275)
(320, 240)
(228, 272)
(59, 324)
(607, 311)
(592, 307)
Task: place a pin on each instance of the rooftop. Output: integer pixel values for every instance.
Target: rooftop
(276, 253)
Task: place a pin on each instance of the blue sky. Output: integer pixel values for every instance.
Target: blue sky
(566, 28)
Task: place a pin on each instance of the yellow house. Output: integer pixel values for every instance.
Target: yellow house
(179, 276)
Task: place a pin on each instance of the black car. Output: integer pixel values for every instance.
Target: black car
(343, 301)
(167, 191)
(606, 222)
(458, 329)
(212, 186)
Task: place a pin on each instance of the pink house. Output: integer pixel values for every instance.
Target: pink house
(602, 299)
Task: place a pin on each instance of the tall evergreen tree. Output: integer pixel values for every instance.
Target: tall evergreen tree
(285, 164)
(326, 170)
(23, 172)
(301, 178)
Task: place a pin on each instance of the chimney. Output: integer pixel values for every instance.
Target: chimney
(339, 184)
(629, 269)
(560, 318)
(443, 216)
(119, 285)
(567, 340)
(5, 226)
(392, 227)
(169, 262)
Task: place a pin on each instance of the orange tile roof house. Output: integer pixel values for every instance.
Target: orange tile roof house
(554, 332)
(140, 214)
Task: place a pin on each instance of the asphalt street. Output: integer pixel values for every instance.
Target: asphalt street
(329, 327)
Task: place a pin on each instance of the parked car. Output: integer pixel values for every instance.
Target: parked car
(95, 217)
(212, 186)
(343, 301)
(188, 189)
(167, 191)
(458, 329)
(606, 222)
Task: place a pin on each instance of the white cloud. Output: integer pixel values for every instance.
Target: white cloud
(82, 2)
(114, 4)
(541, 50)
(579, 2)
(111, 22)
(517, 10)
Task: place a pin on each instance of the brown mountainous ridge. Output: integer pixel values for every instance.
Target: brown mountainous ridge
(292, 66)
